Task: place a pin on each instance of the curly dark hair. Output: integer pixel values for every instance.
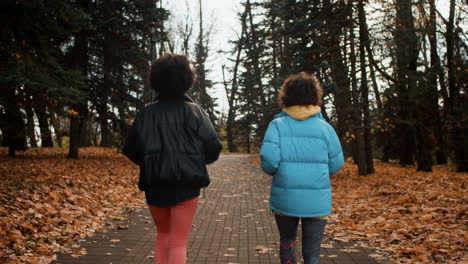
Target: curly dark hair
(300, 89)
(171, 75)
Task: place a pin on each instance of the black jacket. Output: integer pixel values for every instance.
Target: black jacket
(172, 140)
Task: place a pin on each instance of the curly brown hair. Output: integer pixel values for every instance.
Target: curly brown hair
(300, 89)
(171, 75)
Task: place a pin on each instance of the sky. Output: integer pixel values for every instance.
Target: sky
(221, 16)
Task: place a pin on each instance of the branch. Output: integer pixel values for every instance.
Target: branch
(225, 83)
(443, 19)
(384, 74)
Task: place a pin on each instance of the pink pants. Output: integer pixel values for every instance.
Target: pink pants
(173, 225)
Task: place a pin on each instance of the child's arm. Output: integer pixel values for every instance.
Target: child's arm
(270, 152)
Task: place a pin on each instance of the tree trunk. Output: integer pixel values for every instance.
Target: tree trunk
(364, 38)
(427, 105)
(456, 100)
(84, 133)
(96, 133)
(104, 95)
(104, 125)
(358, 146)
(427, 111)
(424, 157)
(274, 49)
(407, 55)
(55, 121)
(43, 117)
(75, 126)
(285, 50)
(234, 88)
(440, 145)
(372, 72)
(199, 91)
(80, 58)
(340, 77)
(256, 56)
(30, 126)
(255, 50)
(14, 128)
(450, 52)
(230, 117)
(247, 138)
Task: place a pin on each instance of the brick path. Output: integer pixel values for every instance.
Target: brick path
(233, 225)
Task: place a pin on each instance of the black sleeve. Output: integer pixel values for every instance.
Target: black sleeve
(210, 139)
(132, 147)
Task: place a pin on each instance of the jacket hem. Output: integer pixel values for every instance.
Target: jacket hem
(320, 215)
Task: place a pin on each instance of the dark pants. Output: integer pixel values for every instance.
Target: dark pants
(312, 234)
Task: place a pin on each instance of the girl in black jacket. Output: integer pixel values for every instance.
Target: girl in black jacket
(172, 139)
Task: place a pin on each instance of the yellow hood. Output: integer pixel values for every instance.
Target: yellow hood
(302, 112)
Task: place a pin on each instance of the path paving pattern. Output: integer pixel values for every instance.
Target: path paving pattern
(233, 224)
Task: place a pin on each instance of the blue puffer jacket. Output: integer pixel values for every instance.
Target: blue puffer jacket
(301, 151)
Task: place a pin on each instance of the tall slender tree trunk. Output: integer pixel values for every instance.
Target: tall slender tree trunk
(274, 49)
(231, 111)
(339, 74)
(123, 126)
(15, 129)
(450, 60)
(423, 132)
(55, 121)
(358, 146)
(30, 125)
(256, 56)
(104, 93)
(43, 118)
(84, 132)
(364, 38)
(407, 55)
(199, 91)
(75, 127)
(80, 58)
(427, 112)
(234, 87)
(427, 108)
(440, 144)
(254, 46)
(456, 102)
(229, 123)
(370, 56)
(247, 137)
(104, 125)
(285, 49)
(200, 58)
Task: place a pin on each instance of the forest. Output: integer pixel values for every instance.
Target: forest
(394, 73)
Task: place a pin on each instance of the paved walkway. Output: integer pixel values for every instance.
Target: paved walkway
(233, 224)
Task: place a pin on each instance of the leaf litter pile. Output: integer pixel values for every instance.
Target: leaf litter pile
(49, 202)
(412, 217)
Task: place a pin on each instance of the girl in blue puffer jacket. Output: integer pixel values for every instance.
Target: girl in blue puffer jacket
(301, 151)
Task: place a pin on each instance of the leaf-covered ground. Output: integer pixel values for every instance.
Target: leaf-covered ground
(415, 217)
(408, 216)
(48, 201)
